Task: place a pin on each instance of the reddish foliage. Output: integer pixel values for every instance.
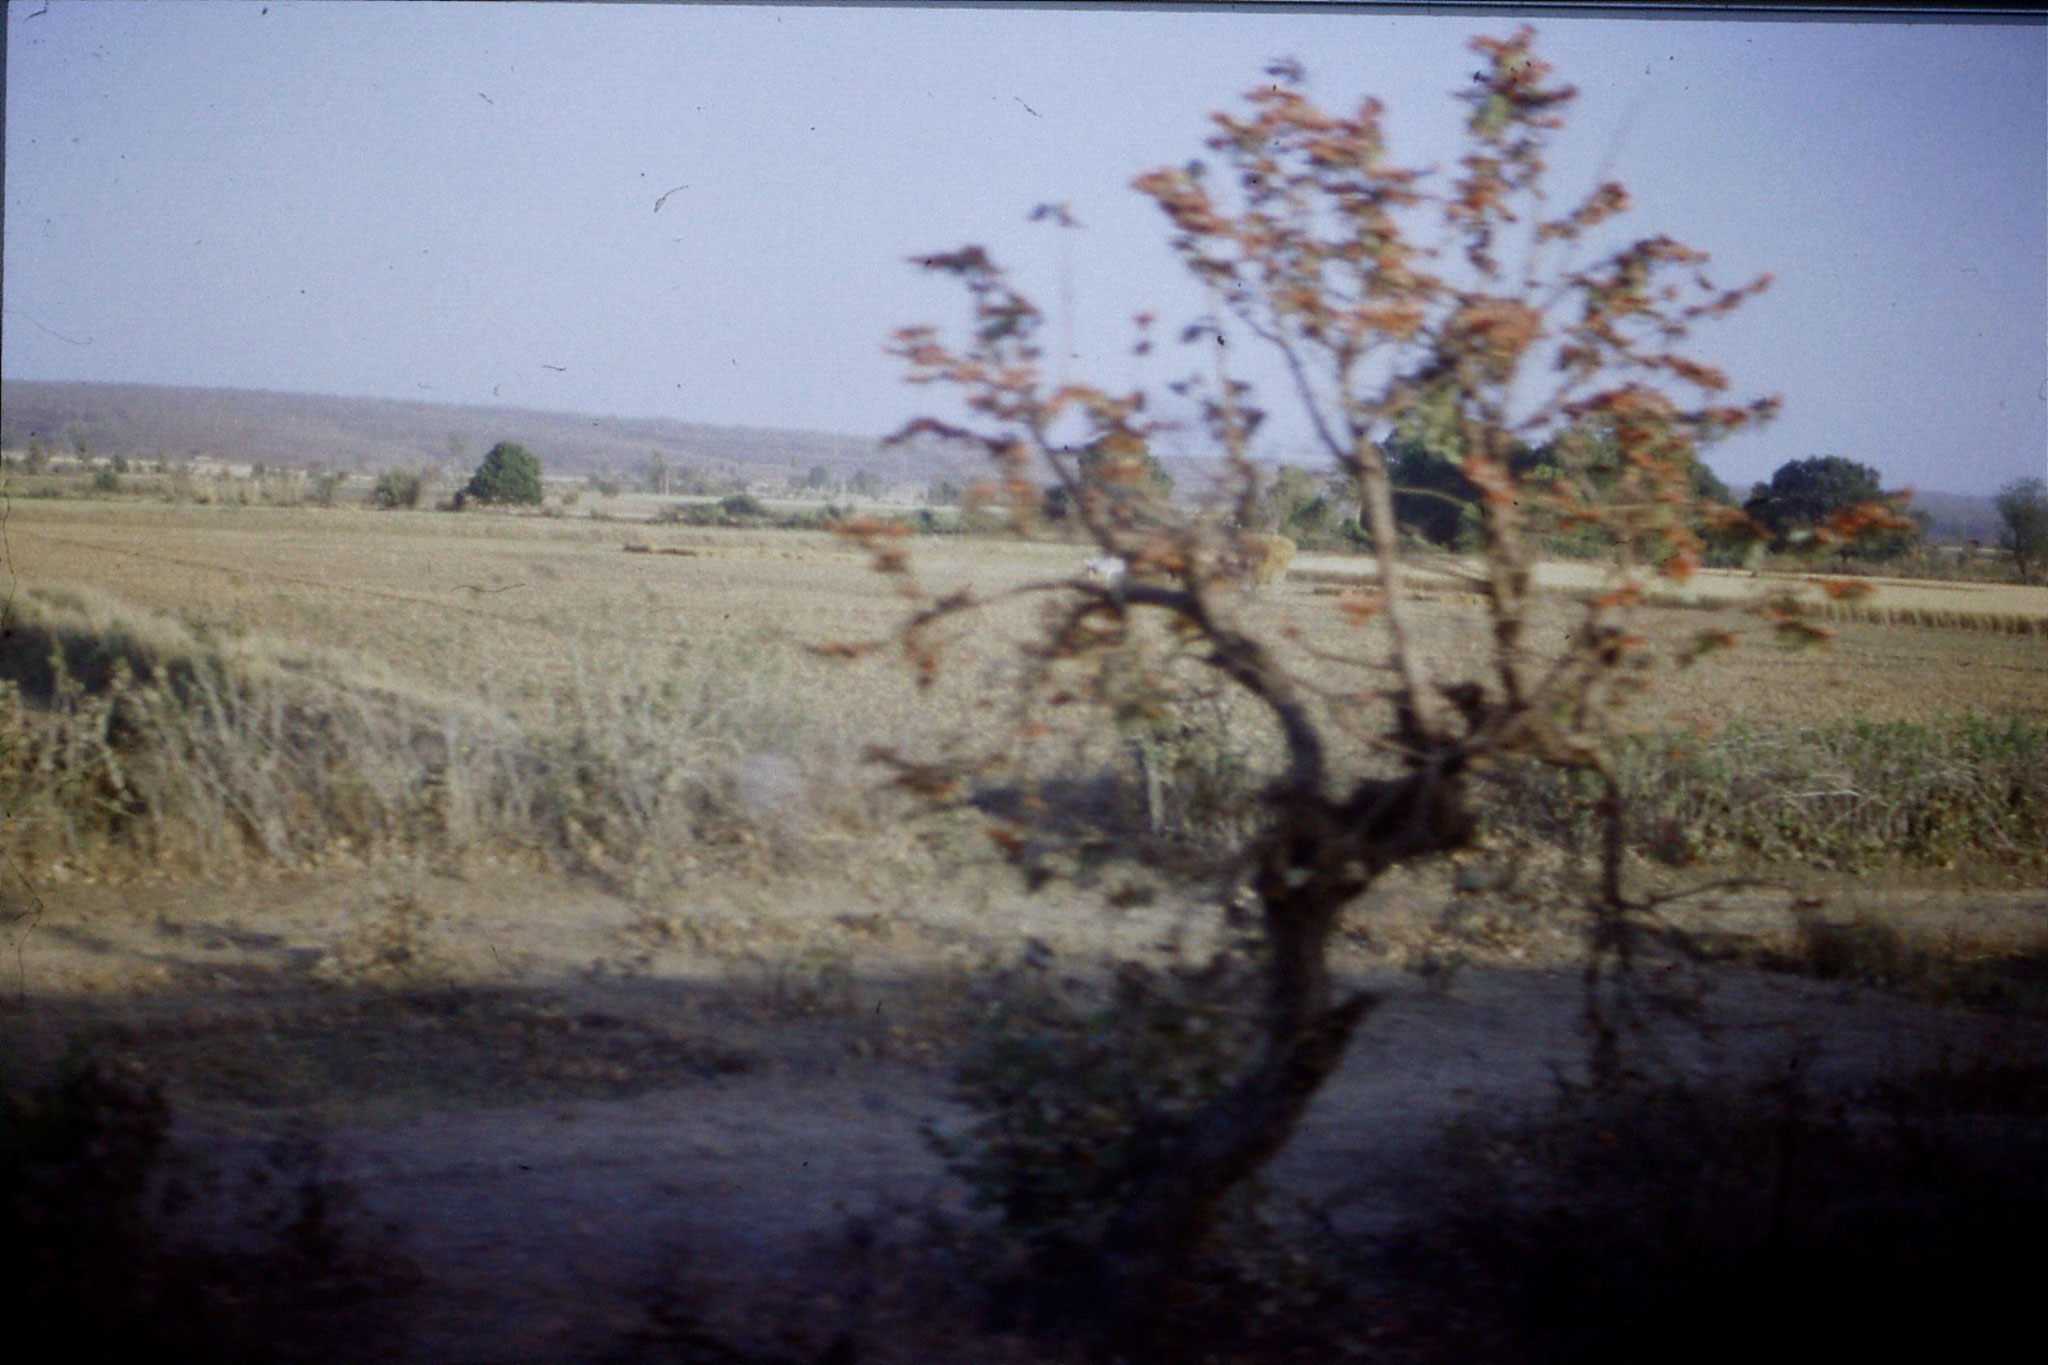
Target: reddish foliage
(1359, 608)
(1845, 589)
(1304, 238)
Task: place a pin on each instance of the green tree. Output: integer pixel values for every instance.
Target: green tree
(1708, 487)
(1432, 496)
(509, 474)
(2023, 507)
(1803, 494)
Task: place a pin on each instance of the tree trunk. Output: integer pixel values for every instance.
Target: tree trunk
(1319, 859)
(1175, 1203)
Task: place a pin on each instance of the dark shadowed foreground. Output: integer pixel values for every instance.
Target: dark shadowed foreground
(626, 1147)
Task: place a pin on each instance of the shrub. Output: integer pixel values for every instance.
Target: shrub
(1857, 794)
(398, 488)
(510, 474)
(738, 509)
(1691, 1221)
(1432, 496)
(88, 1272)
(1072, 1084)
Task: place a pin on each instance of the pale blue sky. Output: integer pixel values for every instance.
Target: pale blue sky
(442, 201)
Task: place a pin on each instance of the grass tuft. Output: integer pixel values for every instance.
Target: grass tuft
(1854, 794)
(125, 737)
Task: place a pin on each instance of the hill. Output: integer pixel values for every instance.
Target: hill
(358, 435)
(1959, 518)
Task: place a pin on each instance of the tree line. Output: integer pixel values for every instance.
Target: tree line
(1438, 505)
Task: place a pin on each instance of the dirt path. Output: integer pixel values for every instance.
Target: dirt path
(545, 1230)
(559, 1144)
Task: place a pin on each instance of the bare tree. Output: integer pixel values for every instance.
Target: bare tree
(1304, 236)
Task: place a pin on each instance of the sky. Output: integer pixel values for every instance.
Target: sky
(706, 211)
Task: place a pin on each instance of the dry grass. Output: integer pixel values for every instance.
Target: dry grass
(1999, 608)
(129, 738)
(301, 683)
(1849, 794)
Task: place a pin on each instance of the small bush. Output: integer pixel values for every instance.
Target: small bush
(396, 489)
(1693, 1222)
(746, 510)
(88, 1271)
(1199, 783)
(1871, 951)
(1855, 794)
(1072, 1084)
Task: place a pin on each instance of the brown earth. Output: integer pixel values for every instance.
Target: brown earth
(505, 605)
(568, 1110)
(593, 1120)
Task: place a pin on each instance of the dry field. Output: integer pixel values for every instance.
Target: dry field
(608, 1117)
(506, 608)
(1998, 607)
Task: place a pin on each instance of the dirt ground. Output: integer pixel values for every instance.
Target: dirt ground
(565, 1109)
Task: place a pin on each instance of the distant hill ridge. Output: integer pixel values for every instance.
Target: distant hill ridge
(141, 421)
(249, 426)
